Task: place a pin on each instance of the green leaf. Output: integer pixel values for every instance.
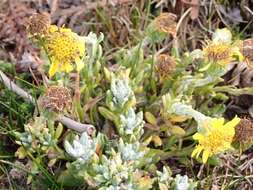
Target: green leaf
(163, 186)
(69, 180)
(150, 118)
(214, 161)
(58, 131)
(176, 130)
(107, 114)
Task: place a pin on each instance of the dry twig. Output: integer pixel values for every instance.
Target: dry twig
(69, 123)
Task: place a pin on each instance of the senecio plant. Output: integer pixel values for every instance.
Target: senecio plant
(146, 108)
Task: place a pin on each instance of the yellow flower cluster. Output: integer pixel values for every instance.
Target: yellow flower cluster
(64, 48)
(218, 138)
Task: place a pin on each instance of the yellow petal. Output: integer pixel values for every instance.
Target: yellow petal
(217, 122)
(232, 123)
(79, 64)
(227, 145)
(196, 151)
(198, 136)
(205, 156)
(53, 28)
(66, 68)
(238, 54)
(230, 131)
(53, 69)
(200, 148)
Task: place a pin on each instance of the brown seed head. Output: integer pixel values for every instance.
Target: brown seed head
(244, 131)
(39, 24)
(56, 99)
(166, 22)
(165, 65)
(247, 48)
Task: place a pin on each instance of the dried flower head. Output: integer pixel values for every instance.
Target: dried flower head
(244, 131)
(56, 99)
(39, 24)
(247, 49)
(221, 53)
(64, 48)
(165, 65)
(166, 22)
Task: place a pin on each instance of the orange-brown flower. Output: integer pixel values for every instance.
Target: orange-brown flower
(165, 65)
(39, 24)
(244, 131)
(56, 99)
(166, 22)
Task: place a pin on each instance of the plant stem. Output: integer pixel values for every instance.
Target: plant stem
(77, 87)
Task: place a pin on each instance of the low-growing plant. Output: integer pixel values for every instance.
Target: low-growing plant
(146, 109)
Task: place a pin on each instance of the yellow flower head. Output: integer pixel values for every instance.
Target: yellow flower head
(218, 138)
(64, 49)
(220, 53)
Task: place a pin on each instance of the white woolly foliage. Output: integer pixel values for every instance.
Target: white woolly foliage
(81, 148)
